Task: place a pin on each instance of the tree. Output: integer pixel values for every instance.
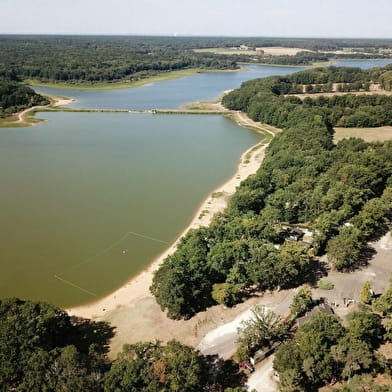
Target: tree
(288, 363)
(263, 328)
(294, 259)
(314, 339)
(384, 302)
(302, 301)
(366, 327)
(353, 356)
(366, 293)
(42, 350)
(151, 367)
(344, 249)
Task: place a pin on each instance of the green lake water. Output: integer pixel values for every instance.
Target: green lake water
(89, 199)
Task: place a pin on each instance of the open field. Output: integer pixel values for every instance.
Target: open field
(378, 134)
(230, 51)
(281, 51)
(268, 51)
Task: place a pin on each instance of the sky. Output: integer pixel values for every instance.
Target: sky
(277, 18)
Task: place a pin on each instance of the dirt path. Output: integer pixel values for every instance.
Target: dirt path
(262, 379)
(22, 117)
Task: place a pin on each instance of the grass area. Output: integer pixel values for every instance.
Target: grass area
(203, 213)
(325, 284)
(125, 83)
(378, 134)
(253, 149)
(216, 195)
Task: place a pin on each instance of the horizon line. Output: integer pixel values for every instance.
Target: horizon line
(176, 35)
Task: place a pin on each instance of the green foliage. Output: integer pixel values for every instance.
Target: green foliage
(307, 359)
(383, 304)
(78, 60)
(41, 350)
(151, 367)
(361, 383)
(342, 192)
(366, 327)
(325, 284)
(322, 350)
(262, 329)
(302, 301)
(352, 356)
(263, 99)
(344, 249)
(15, 96)
(365, 295)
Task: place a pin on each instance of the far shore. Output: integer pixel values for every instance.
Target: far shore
(161, 77)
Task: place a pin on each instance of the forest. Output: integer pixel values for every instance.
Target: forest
(271, 100)
(97, 59)
(15, 96)
(43, 349)
(342, 193)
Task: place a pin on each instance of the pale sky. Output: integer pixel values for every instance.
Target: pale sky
(291, 18)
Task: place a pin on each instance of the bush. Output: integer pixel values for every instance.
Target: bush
(325, 284)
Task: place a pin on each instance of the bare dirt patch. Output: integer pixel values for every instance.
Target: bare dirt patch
(348, 285)
(280, 51)
(267, 51)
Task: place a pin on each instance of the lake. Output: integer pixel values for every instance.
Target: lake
(90, 199)
(168, 94)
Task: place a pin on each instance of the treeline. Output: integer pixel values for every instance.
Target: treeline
(15, 96)
(323, 350)
(343, 192)
(99, 59)
(43, 349)
(93, 59)
(308, 58)
(268, 100)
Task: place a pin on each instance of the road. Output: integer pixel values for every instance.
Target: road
(262, 379)
(222, 340)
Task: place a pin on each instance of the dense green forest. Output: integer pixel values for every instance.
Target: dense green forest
(43, 349)
(14, 96)
(342, 192)
(268, 100)
(98, 59)
(93, 59)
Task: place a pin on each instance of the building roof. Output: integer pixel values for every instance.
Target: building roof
(323, 308)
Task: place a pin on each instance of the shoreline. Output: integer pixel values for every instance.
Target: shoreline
(105, 86)
(26, 118)
(137, 288)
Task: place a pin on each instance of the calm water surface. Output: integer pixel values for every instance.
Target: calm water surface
(169, 94)
(92, 198)
(364, 64)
